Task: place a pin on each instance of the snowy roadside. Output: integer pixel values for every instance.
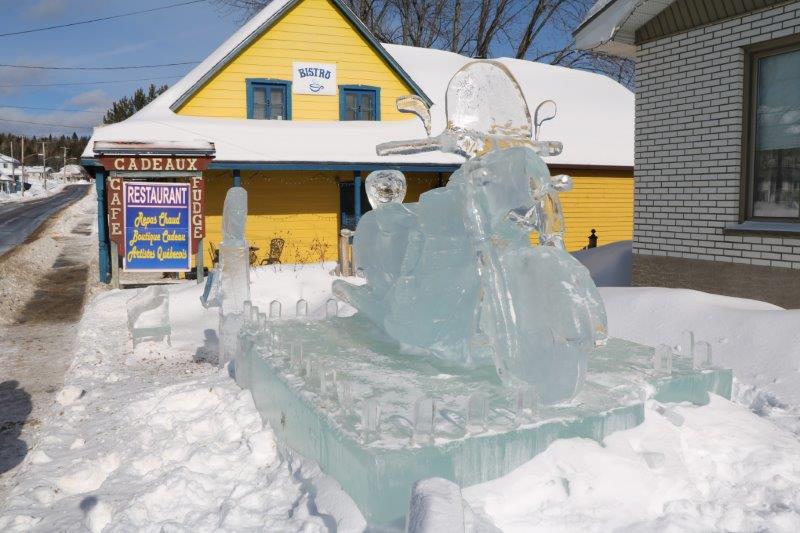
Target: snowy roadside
(37, 190)
(157, 439)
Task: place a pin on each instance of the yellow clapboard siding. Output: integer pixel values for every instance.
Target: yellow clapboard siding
(312, 31)
(302, 208)
(599, 199)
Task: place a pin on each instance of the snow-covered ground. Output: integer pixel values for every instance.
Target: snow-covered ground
(157, 439)
(37, 190)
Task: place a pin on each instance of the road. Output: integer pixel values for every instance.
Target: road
(38, 327)
(19, 220)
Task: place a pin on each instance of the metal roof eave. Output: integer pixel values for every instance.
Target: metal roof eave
(267, 24)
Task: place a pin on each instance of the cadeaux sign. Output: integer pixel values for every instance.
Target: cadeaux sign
(157, 226)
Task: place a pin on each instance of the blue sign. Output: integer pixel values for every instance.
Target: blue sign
(157, 224)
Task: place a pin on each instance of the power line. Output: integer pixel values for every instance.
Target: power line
(67, 126)
(5, 86)
(89, 21)
(39, 67)
(65, 109)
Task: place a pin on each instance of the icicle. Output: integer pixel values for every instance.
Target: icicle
(331, 309)
(702, 355)
(301, 309)
(424, 421)
(476, 413)
(274, 309)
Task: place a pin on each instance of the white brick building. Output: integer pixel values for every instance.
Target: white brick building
(717, 168)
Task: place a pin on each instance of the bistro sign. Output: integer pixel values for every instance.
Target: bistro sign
(156, 164)
(314, 78)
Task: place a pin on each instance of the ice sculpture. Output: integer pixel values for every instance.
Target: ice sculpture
(148, 315)
(385, 186)
(455, 275)
(234, 277)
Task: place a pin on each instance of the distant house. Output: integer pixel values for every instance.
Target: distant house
(7, 172)
(71, 173)
(7, 165)
(717, 164)
(37, 172)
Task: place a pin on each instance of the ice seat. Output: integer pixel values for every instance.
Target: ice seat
(148, 315)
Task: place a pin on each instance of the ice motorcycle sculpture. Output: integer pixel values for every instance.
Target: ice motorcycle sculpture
(455, 275)
(456, 295)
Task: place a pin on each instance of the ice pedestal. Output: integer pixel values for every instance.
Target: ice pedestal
(234, 271)
(377, 461)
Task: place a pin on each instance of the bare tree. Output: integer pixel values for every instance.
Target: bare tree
(537, 30)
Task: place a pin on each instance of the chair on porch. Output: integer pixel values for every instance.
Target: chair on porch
(214, 253)
(275, 251)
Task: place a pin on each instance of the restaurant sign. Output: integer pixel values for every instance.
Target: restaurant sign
(156, 226)
(314, 78)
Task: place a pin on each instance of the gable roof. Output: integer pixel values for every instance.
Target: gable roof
(258, 26)
(595, 121)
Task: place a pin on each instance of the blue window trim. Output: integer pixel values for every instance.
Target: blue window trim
(287, 89)
(343, 89)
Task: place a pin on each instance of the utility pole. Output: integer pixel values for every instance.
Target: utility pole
(22, 169)
(64, 167)
(13, 174)
(44, 163)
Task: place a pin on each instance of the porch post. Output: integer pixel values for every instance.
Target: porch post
(237, 178)
(104, 264)
(357, 194)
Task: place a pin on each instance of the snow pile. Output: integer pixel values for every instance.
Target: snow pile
(150, 439)
(724, 469)
(759, 341)
(156, 439)
(36, 190)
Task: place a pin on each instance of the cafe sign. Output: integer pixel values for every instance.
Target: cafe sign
(156, 226)
(314, 78)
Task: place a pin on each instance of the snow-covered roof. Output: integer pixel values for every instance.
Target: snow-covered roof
(610, 25)
(595, 115)
(8, 159)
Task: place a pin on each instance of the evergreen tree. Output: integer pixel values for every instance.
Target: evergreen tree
(128, 105)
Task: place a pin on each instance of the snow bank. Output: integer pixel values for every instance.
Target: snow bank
(724, 469)
(151, 439)
(37, 190)
(759, 341)
(155, 439)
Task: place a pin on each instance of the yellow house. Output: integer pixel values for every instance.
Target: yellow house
(296, 100)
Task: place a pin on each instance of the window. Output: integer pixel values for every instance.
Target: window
(772, 145)
(269, 100)
(359, 102)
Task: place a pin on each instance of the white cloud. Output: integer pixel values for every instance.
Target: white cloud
(95, 99)
(46, 9)
(63, 122)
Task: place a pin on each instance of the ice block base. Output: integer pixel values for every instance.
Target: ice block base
(316, 404)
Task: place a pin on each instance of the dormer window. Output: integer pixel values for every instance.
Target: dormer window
(359, 102)
(269, 99)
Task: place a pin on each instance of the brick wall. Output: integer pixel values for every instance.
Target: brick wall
(689, 105)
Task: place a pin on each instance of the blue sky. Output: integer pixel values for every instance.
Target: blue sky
(186, 33)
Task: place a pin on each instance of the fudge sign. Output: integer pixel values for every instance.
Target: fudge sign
(314, 78)
(156, 226)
